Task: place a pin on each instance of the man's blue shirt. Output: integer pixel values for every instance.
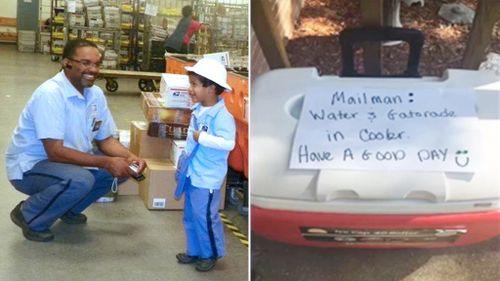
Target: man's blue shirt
(58, 111)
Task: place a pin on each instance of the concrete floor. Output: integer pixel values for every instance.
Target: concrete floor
(276, 261)
(122, 241)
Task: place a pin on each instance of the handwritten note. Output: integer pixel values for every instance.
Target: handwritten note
(387, 129)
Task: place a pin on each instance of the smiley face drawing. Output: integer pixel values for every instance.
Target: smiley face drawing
(461, 158)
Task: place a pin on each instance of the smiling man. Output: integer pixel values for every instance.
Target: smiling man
(51, 157)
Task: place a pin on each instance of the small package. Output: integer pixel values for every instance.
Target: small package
(124, 137)
(222, 57)
(154, 111)
(145, 146)
(177, 148)
(174, 91)
(168, 130)
(158, 188)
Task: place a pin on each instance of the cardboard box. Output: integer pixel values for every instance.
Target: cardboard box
(157, 190)
(222, 57)
(124, 137)
(154, 111)
(176, 150)
(145, 146)
(130, 187)
(174, 91)
(109, 64)
(91, 3)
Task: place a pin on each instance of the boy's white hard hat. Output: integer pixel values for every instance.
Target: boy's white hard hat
(211, 69)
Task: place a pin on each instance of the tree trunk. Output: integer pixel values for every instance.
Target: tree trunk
(371, 13)
(487, 14)
(264, 25)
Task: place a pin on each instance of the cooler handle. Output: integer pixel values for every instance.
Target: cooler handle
(348, 37)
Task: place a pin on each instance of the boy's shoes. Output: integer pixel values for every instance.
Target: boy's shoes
(70, 218)
(205, 265)
(40, 236)
(185, 259)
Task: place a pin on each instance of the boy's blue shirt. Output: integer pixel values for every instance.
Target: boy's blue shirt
(208, 166)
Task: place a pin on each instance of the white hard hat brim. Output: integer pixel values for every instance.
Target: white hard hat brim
(203, 71)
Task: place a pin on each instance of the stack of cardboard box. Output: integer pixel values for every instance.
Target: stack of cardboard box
(156, 151)
(161, 151)
(26, 41)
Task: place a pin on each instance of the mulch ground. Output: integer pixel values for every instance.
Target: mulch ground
(315, 40)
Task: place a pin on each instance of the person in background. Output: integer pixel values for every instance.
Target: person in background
(212, 129)
(189, 40)
(178, 41)
(51, 156)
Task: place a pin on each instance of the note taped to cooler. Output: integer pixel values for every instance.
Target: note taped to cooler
(362, 128)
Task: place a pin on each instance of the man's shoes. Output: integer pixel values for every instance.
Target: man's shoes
(205, 265)
(71, 218)
(185, 259)
(40, 236)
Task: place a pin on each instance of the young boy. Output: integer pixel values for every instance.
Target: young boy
(212, 128)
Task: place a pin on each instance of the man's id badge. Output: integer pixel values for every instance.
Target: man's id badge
(97, 125)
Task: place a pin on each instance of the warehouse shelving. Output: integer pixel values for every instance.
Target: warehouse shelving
(83, 21)
(228, 22)
(132, 35)
(56, 29)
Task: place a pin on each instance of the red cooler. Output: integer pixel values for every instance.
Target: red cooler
(383, 206)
